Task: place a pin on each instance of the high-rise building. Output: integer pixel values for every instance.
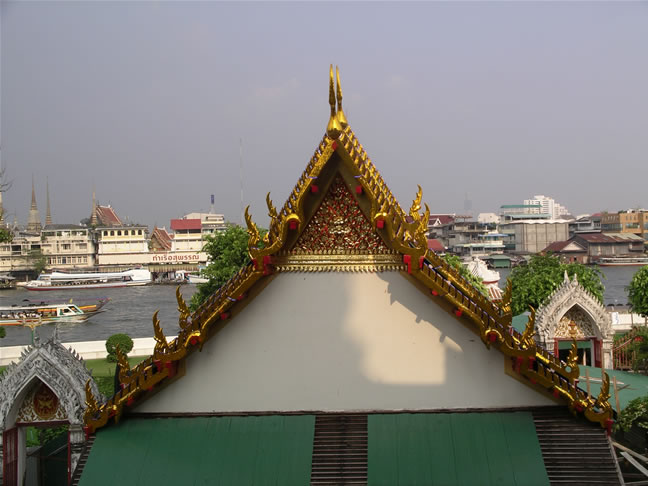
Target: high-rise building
(547, 205)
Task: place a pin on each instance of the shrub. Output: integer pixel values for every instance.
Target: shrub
(125, 345)
(636, 413)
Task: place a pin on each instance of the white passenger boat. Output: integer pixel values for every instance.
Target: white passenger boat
(622, 261)
(24, 315)
(196, 279)
(90, 280)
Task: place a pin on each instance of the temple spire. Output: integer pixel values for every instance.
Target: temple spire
(333, 129)
(48, 216)
(340, 114)
(93, 216)
(33, 223)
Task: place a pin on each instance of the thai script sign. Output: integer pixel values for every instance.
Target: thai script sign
(176, 257)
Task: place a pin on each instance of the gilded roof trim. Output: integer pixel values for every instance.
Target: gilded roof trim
(406, 234)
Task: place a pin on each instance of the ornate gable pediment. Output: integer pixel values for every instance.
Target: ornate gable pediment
(572, 300)
(323, 228)
(60, 371)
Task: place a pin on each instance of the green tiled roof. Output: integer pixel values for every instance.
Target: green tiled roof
(455, 448)
(264, 450)
(412, 449)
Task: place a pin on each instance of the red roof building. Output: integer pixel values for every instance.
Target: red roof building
(186, 225)
(106, 216)
(160, 240)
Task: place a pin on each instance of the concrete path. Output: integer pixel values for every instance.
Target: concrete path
(86, 349)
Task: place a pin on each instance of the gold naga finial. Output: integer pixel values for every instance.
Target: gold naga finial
(604, 393)
(340, 114)
(527, 336)
(416, 203)
(124, 365)
(161, 345)
(572, 359)
(90, 402)
(333, 129)
(507, 297)
(253, 232)
(183, 320)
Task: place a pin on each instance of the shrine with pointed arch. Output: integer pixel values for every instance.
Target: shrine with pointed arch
(46, 388)
(571, 313)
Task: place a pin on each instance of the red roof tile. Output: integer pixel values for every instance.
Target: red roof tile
(439, 219)
(435, 245)
(163, 237)
(185, 224)
(107, 216)
(556, 246)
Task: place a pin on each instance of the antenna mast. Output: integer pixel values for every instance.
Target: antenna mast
(241, 177)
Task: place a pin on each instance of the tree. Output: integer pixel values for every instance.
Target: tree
(455, 261)
(534, 282)
(38, 260)
(638, 292)
(124, 342)
(227, 252)
(3, 333)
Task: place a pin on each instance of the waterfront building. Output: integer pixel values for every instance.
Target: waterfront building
(346, 325)
(533, 236)
(18, 254)
(516, 212)
(465, 236)
(634, 221)
(68, 246)
(569, 251)
(122, 247)
(585, 224)
(591, 247)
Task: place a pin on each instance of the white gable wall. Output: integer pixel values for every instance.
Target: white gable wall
(342, 341)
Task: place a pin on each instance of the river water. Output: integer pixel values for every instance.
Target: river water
(131, 309)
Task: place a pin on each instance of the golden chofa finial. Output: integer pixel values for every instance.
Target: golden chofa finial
(333, 129)
(340, 114)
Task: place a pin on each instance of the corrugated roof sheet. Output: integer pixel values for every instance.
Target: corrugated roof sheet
(203, 450)
(455, 448)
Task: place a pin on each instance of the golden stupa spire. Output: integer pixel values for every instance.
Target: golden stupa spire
(340, 114)
(333, 129)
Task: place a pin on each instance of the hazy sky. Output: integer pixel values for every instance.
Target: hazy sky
(149, 101)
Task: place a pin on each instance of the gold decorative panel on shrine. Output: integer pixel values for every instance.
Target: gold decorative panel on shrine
(339, 238)
(339, 226)
(41, 405)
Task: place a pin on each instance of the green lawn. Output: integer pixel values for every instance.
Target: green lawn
(101, 367)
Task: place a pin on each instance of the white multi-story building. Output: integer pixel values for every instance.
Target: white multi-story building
(68, 246)
(189, 232)
(122, 245)
(547, 205)
(19, 253)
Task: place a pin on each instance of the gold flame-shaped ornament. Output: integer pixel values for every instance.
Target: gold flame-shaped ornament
(333, 129)
(90, 402)
(340, 114)
(161, 344)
